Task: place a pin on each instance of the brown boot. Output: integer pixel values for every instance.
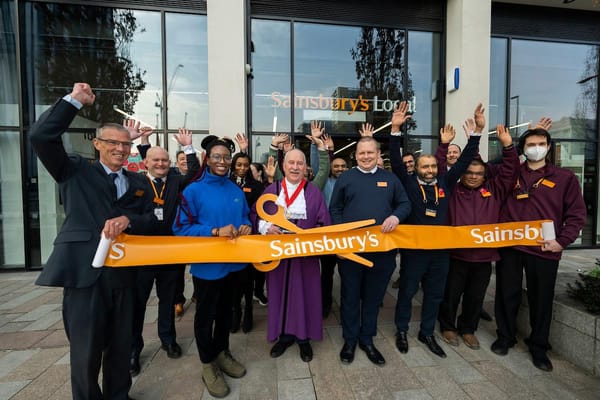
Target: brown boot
(214, 381)
(229, 365)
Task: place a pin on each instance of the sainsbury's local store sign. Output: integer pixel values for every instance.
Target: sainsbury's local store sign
(348, 104)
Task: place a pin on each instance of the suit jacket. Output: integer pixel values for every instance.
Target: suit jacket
(89, 198)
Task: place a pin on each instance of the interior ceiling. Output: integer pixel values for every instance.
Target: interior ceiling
(590, 5)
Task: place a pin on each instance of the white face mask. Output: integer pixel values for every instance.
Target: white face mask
(536, 153)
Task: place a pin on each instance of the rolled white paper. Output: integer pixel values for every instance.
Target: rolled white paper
(101, 252)
(548, 232)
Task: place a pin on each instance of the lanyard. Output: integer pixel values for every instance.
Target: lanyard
(158, 199)
(435, 188)
(534, 186)
(288, 200)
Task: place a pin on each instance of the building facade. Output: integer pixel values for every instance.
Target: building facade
(259, 67)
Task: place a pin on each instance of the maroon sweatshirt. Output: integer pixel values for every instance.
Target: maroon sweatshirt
(552, 193)
(482, 205)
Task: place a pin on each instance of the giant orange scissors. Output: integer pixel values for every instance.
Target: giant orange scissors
(279, 219)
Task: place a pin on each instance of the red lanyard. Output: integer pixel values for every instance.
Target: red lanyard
(288, 200)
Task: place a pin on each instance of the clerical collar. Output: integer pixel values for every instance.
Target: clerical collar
(110, 171)
(422, 182)
(371, 171)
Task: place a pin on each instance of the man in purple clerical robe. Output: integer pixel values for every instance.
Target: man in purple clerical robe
(294, 287)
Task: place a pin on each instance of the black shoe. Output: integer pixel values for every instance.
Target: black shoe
(306, 353)
(500, 347)
(372, 354)
(432, 345)
(134, 366)
(279, 348)
(173, 350)
(248, 322)
(541, 361)
(326, 311)
(485, 316)
(347, 353)
(402, 342)
(236, 319)
(261, 298)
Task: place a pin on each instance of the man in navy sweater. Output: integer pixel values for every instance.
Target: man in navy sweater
(362, 193)
(428, 194)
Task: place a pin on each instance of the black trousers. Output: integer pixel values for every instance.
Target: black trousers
(363, 289)
(244, 286)
(97, 323)
(212, 321)
(328, 264)
(541, 279)
(180, 285)
(469, 281)
(166, 282)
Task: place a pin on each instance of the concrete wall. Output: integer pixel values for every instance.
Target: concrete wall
(226, 74)
(468, 28)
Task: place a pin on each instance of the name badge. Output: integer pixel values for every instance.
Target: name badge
(548, 183)
(158, 201)
(430, 213)
(247, 190)
(441, 193)
(381, 184)
(522, 196)
(159, 214)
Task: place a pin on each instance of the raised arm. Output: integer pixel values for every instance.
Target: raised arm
(46, 133)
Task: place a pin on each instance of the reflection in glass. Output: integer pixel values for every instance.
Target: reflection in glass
(174, 147)
(346, 76)
(117, 51)
(498, 64)
(9, 94)
(12, 252)
(187, 71)
(544, 82)
(271, 86)
(423, 82)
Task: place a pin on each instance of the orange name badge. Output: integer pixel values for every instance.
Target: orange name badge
(247, 190)
(381, 184)
(522, 196)
(548, 183)
(158, 201)
(139, 193)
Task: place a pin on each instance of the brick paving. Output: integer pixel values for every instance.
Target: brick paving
(34, 357)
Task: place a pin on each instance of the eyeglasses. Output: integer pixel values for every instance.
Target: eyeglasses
(474, 173)
(115, 143)
(219, 158)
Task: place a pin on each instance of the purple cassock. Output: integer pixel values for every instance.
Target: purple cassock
(299, 312)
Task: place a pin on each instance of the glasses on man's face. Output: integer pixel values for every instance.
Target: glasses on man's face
(219, 158)
(473, 173)
(115, 143)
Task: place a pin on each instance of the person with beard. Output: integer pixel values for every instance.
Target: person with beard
(214, 206)
(475, 201)
(366, 192)
(166, 186)
(249, 276)
(99, 198)
(428, 193)
(294, 287)
(542, 191)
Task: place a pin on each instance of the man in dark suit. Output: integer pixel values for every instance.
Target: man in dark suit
(99, 198)
(165, 187)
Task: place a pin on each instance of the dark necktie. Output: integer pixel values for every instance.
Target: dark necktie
(113, 177)
(158, 183)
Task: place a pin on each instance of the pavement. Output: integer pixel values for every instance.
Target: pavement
(34, 357)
